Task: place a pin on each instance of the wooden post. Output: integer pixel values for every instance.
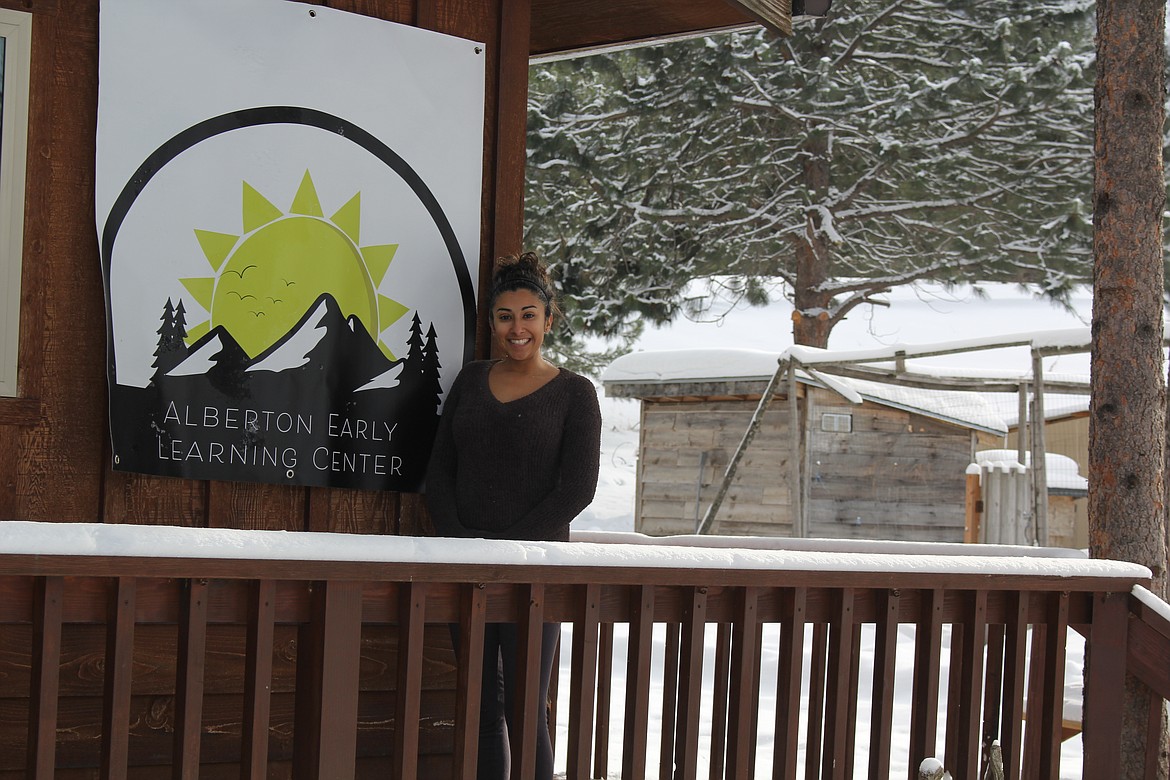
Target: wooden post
(1104, 677)
(329, 648)
(119, 660)
(795, 434)
(45, 685)
(974, 504)
(1039, 464)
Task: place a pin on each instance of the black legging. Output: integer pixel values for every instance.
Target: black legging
(498, 697)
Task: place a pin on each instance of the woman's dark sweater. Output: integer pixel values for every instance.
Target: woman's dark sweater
(516, 470)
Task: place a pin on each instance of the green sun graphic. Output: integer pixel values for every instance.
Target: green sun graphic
(267, 277)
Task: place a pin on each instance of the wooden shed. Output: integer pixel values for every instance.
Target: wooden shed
(889, 467)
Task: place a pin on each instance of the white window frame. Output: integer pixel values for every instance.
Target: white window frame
(16, 29)
(835, 422)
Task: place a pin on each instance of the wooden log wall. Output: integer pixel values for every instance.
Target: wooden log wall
(54, 438)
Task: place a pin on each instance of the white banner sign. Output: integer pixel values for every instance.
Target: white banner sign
(288, 206)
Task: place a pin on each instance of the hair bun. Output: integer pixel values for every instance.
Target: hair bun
(524, 271)
(527, 267)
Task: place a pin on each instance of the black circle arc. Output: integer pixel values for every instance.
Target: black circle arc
(289, 115)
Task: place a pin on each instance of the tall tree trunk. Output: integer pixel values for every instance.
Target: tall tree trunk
(811, 320)
(1127, 447)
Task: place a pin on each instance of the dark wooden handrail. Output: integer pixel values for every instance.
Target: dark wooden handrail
(343, 668)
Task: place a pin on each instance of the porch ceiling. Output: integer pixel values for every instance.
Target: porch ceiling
(560, 26)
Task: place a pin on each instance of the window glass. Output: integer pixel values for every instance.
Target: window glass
(15, 44)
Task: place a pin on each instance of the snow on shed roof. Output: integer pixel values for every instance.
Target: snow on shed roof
(991, 411)
(666, 367)
(1072, 339)
(691, 365)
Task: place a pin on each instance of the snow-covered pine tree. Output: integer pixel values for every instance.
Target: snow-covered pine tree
(890, 142)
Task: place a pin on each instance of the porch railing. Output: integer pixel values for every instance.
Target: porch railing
(189, 653)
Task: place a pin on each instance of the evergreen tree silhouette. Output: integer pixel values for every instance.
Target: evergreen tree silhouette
(431, 365)
(172, 347)
(180, 331)
(415, 355)
(161, 356)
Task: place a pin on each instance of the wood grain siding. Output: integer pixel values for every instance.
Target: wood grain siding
(684, 451)
(895, 475)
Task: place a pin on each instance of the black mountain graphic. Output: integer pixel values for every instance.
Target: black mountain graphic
(323, 352)
(218, 359)
(303, 412)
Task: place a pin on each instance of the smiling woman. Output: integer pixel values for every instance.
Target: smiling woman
(516, 457)
(15, 37)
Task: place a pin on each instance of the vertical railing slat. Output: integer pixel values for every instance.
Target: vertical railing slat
(190, 668)
(46, 677)
(1053, 718)
(851, 718)
(970, 686)
(1014, 667)
(993, 687)
(817, 692)
(1034, 734)
(927, 662)
(745, 685)
(1104, 677)
(258, 679)
(928, 642)
(469, 681)
(530, 633)
(757, 666)
(119, 661)
(583, 682)
(341, 658)
(954, 684)
(641, 646)
(838, 693)
(412, 611)
(670, 671)
(328, 656)
(690, 683)
(881, 717)
(604, 701)
(720, 684)
(788, 674)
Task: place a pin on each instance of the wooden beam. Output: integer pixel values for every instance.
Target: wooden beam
(776, 15)
(580, 26)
